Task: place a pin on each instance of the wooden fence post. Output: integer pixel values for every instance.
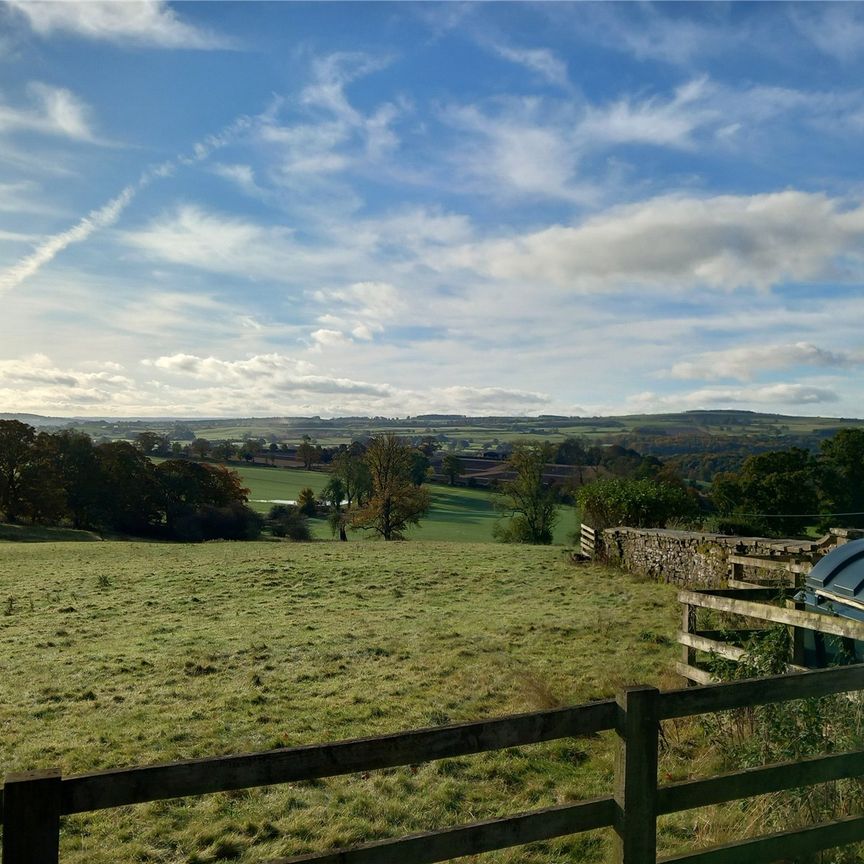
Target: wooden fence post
(31, 817)
(688, 625)
(636, 777)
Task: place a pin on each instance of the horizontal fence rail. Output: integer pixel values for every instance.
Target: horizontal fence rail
(32, 803)
(473, 839)
(103, 789)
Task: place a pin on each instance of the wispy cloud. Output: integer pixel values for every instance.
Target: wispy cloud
(52, 111)
(323, 133)
(139, 22)
(109, 213)
(647, 32)
(102, 217)
(652, 120)
(541, 61)
(746, 362)
(519, 148)
(835, 29)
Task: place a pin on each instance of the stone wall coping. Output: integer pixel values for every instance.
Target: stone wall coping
(780, 544)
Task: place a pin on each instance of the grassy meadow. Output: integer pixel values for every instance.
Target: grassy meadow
(116, 653)
(457, 514)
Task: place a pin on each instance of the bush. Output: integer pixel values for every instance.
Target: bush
(235, 521)
(641, 503)
(306, 502)
(286, 520)
(788, 731)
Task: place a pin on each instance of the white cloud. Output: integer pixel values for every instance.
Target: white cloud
(526, 148)
(219, 243)
(664, 122)
(539, 60)
(53, 111)
(725, 242)
(272, 373)
(241, 175)
(39, 370)
(745, 362)
(140, 22)
(791, 395)
(645, 32)
(835, 29)
(362, 308)
(481, 399)
(331, 135)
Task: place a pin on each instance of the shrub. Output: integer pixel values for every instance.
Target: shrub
(641, 503)
(286, 520)
(235, 521)
(306, 502)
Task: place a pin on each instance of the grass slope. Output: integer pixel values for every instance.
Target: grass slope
(129, 653)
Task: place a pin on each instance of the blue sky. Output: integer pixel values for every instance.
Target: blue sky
(385, 208)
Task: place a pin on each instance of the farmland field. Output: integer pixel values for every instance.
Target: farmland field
(129, 653)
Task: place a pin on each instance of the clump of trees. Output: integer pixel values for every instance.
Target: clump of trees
(529, 504)
(784, 491)
(66, 478)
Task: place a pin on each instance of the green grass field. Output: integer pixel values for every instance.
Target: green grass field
(129, 653)
(457, 514)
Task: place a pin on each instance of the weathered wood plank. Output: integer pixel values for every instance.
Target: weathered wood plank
(31, 817)
(760, 593)
(775, 847)
(760, 691)
(636, 777)
(740, 583)
(771, 563)
(688, 625)
(711, 646)
(759, 781)
(447, 843)
(809, 620)
(739, 634)
(694, 673)
(115, 788)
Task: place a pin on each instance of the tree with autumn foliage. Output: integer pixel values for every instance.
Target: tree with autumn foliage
(395, 502)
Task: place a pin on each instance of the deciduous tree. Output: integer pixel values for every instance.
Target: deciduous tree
(529, 502)
(395, 502)
(16, 442)
(453, 467)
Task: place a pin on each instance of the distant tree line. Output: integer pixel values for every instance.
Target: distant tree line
(785, 491)
(66, 478)
(775, 493)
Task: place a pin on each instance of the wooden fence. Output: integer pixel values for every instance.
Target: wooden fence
(34, 802)
(756, 604)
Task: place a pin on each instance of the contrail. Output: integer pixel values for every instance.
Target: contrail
(108, 214)
(93, 221)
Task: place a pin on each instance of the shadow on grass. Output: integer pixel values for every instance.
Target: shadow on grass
(43, 534)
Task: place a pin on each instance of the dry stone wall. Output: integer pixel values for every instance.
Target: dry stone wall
(698, 560)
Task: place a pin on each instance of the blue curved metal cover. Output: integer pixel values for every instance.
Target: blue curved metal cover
(840, 573)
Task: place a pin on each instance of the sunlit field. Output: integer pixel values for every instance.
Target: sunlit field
(117, 653)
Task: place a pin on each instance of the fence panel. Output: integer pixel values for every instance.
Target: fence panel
(32, 803)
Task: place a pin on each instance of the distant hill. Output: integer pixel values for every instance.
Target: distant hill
(38, 419)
